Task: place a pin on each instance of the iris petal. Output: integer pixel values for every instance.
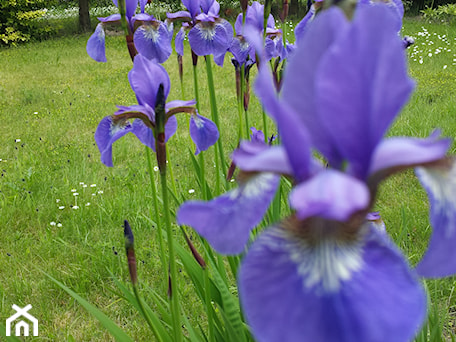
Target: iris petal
(440, 184)
(406, 152)
(145, 78)
(208, 38)
(96, 45)
(203, 132)
(298, 89)
(106, 134)
(153, 41)
(346, 291)
(330, 194)
(226, 221)
(261, 158)
(359, 101)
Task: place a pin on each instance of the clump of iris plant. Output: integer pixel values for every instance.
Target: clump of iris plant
(154, 121)
(144, 33)
(329, 272)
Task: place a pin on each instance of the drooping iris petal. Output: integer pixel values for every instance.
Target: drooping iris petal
(153, 41)
(440, 184)
(145, 78)
(261, 158)
(330, 194)
(96, 45)
(179, 42)
(226, 221)
(358, 102)
(207, 38)
(106, 134)
(406, 152)
(298, 88)
(146, 135)
(109, 19)
(203, 132)
(329, 290)
(240, 49)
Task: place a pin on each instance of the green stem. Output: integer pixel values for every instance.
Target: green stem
(175, 308)
(146, 316)
(209, 308)
(170, 168)
(215, 118)
(203, 177)
(195, 85)
(265, 125)
(157, 217)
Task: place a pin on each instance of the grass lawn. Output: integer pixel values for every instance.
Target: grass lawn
(61, 210)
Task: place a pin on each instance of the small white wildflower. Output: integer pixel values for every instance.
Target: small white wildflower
(100, 191)
(52, 223)
(87, 204)
(73, 190)
(430, 54)
(93, 185)
(81, 183)
(191, 191)
(421, 61)
(62, 207)
(84, 186)
(35, 113)
(93, 194)
(155, 168)
(57, 200)
(17, 140)
(75, 194)
(59, 225)
(75, 207)
(445, 66)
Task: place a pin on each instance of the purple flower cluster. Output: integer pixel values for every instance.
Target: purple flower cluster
(329, 272)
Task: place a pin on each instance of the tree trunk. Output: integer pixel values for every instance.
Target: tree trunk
(84, 16)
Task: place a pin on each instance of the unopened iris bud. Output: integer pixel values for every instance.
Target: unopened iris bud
(130, 250)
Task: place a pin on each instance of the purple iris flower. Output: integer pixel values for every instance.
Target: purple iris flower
(152, 38)
(211, 35)
(328, 272)
(151, 84)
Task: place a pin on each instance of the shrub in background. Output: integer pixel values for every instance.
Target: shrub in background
(18, 21)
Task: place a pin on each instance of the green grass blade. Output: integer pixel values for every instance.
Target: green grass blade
(114, 330)
(7, 338)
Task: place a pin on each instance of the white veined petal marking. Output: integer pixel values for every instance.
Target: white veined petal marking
(207, 32)
(322, 265)
(256, 186)
(116, 127)
(150, 33)
(441, 183)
